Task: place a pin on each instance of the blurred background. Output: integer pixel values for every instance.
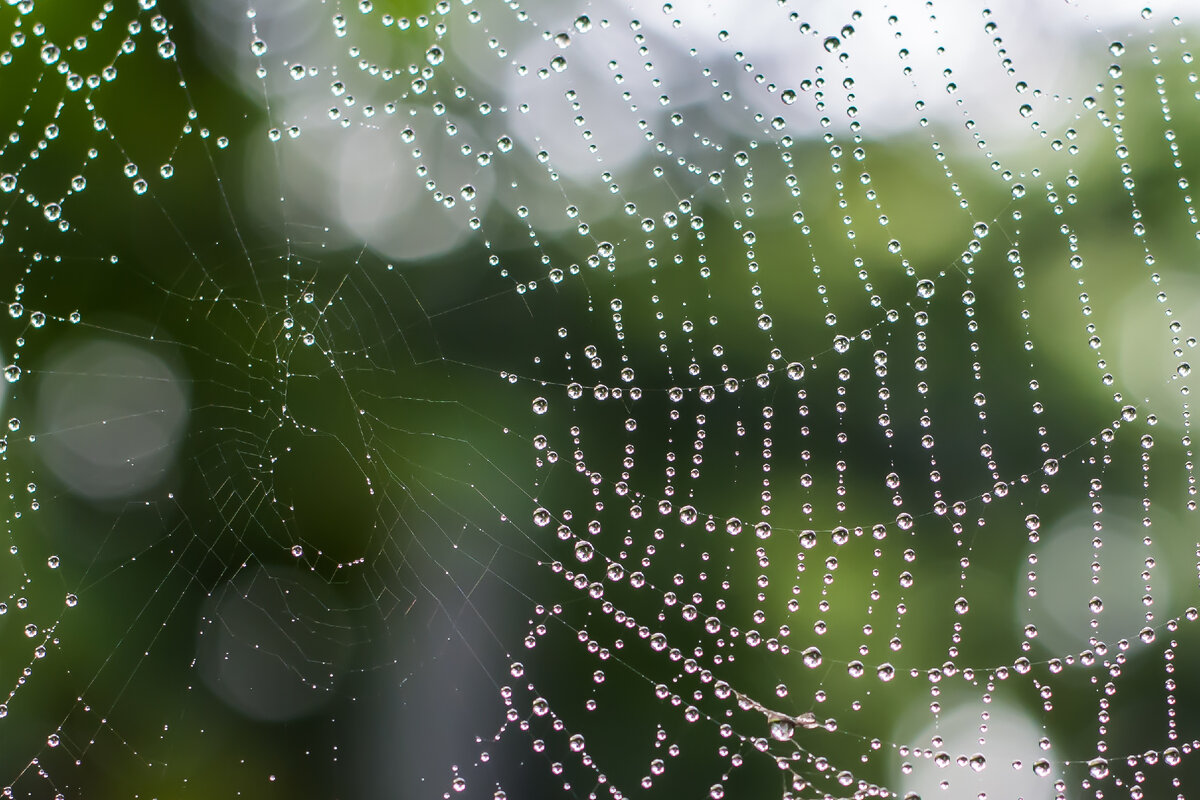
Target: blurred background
(598, 399)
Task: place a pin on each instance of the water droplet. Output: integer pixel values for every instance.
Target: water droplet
(812, 658)
(540, 405)
(584, 551)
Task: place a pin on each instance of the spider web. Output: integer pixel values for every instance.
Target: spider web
(598, 400)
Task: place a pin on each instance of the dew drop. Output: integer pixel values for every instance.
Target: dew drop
(812, 658)
(782, 729)
(584, 552)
